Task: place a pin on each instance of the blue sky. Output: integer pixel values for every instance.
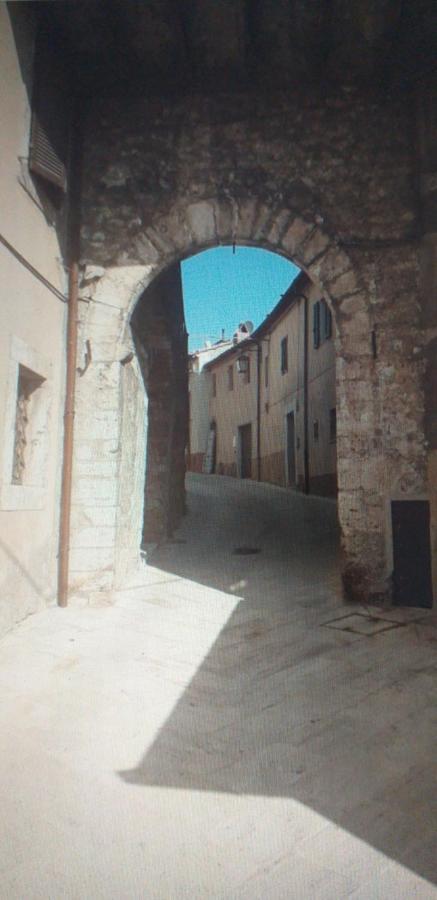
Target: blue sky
(222, 288)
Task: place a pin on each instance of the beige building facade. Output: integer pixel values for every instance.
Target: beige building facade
(32, 348)
(219, 163)
(272, 397)
(198, 403)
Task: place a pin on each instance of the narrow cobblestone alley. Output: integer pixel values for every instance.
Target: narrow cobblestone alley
(228, 728)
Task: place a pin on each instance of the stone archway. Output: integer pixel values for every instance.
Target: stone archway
(110, 400)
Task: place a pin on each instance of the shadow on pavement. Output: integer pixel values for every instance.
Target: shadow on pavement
(283, 706)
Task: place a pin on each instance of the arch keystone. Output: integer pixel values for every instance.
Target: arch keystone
(225, 217)
(245, 216)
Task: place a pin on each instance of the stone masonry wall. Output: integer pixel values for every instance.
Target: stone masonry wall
(161, 341)
(328, 181)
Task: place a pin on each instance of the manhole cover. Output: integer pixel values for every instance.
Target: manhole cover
(246, 551)
(359, 623)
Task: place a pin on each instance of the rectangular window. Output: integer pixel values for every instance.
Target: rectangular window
(316, 325)
(316, 430)
(333, 425)
(50, 115)
(248, 370)
(28, 383)
(230, 378)
(23, 479)
(214, 384)
(284, 355)
(266, 371)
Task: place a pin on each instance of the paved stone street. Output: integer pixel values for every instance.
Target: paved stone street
(228, 729)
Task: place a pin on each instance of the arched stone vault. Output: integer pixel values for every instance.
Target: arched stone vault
(110, 406)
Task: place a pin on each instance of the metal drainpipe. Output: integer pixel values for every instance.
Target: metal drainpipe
(67, 464)
(73, 240)
(258, 410)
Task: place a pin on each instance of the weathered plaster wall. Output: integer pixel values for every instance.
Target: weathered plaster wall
(284, 393)
(231, 409)
(32, 323)
(328, 182)
(199, 418)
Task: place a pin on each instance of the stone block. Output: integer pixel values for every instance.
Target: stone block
(351, 305)
(316, 243)
(175, 229)
(99, 466)
(261, 223)
(225, 218)
(87, 449)
(359, 327)
(144, 250)
(279, 225)
(245, 219)
(97, 424)
(201, 222)
(91, 559)
(95, 580)
(88, 515)
(327, 267)
(295, 236)
(101, 491)
(93, 536)
(344, 285)
(92, 273)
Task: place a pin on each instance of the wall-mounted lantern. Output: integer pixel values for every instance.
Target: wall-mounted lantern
(242, 365)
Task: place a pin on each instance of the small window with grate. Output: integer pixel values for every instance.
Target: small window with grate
(27, 386)
(214, 384)
(230, 378)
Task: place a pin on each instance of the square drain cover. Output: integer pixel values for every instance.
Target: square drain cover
(359, 623)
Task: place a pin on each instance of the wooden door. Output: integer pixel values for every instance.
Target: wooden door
(412, 582)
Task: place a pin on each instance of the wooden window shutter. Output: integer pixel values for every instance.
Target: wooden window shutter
(316, 324)
(326, 320)
(50, 120)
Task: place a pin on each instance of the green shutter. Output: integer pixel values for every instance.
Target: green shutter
(316, 324)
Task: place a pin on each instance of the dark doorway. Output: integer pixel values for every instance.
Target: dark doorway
(291, 451)
(412, 584)
(245, 448)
